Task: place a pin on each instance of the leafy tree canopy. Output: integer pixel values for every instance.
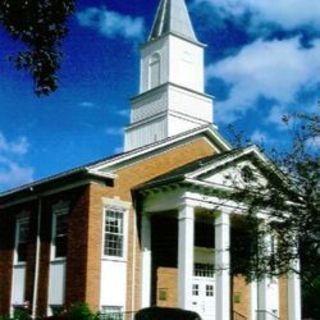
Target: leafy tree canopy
(293, 204)
(40, 25)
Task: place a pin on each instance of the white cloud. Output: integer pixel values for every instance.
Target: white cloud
(259, 136)
(112, 24)
(289, 14)
(12, 172)
(123, 112)
(17, 147)
(276, 70)
(87, 104)
(14, 175)
(314, 143)
(113, 131)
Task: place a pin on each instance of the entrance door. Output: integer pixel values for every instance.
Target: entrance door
(203, 300)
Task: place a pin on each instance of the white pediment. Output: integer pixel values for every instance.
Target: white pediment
(237, 175)
(238, 169)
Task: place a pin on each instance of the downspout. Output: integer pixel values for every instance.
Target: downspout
(37, 262)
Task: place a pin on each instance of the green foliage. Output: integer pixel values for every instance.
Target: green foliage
(40, 25)
(20, 314)
(157, 313)
(80, 311)
(292, 200)
(4, 317)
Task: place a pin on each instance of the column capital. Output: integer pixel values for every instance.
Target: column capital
(186, 211)
(222, 218)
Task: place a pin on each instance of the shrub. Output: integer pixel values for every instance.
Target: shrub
(80, 311)
(157, 313)
(20, 314)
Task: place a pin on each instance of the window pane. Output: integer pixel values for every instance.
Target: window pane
(60, 240)
(22, 252)
(61, 247)
(113, 233)
(21, 245)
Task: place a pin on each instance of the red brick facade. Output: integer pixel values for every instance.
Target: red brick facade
(83, 271)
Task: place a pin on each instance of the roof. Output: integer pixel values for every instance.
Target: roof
(92, 168)
(181, 172)
(172, 17)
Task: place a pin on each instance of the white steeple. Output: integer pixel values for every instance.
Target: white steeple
(172, 17)
(171, 98)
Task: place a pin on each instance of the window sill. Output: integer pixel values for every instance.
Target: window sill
(58, 260)
(115, 259)
(19, 264)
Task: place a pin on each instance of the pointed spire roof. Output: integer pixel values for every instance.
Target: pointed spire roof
(173, 17)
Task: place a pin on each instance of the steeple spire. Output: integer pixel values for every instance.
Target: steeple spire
(172, 17)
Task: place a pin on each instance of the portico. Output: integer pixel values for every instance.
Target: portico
(187, 222)
(191, 210)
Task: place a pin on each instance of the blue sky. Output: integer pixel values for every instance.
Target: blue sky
(262, 61)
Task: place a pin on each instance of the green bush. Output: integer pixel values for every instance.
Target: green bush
(157, 313)
(20, 314)
(80, 311)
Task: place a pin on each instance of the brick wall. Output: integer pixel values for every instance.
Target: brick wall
(129, 177)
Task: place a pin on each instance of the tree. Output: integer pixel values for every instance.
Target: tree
(291, 196)
(40, 25)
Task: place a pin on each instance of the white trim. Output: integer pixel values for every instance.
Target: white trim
(23, 217)
(37, 262)
(60, 208)
(146, 263)
(158, 145)
(123, 207)
(253, 149)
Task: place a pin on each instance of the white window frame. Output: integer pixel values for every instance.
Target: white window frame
(118, 206)
(105, 313)
(21, 218)
(60, 209)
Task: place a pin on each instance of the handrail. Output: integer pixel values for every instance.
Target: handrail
(129, 315)
(238, 316)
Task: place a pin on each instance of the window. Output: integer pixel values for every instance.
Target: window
(111, 313)
(60, 227)
(154, 72)
(21, 239)
(195, 290)
(204, 270)
(113, 244)
(209, 290)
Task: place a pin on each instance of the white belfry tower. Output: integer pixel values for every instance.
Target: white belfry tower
(171, 98)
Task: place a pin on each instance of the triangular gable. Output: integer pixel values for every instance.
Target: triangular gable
(239, 168)
(224, 170)
(213, 137)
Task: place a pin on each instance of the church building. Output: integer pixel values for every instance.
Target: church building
(149, 226)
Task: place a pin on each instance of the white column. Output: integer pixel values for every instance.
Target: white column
(268, 287)
(253, 300)
(294, 293)
(146, 261)
(185, 256)
(263, 299)
(222, 265)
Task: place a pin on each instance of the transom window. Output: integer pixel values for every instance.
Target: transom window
(22, 239)
(114, 233)
(60, 234)
(204, 270)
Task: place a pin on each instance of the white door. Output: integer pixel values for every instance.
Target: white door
(203, 297)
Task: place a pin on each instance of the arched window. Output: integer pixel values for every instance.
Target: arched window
(154, 71)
